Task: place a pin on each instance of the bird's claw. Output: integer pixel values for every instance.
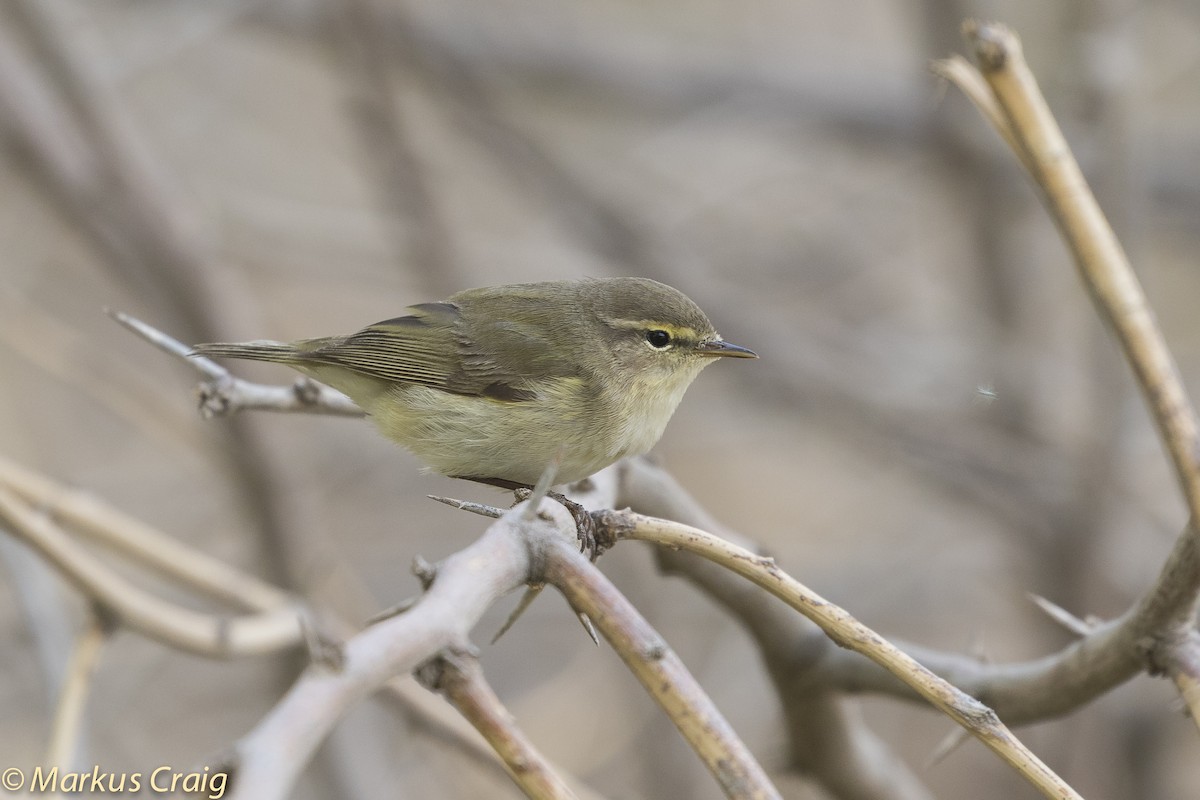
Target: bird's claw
(585, 523)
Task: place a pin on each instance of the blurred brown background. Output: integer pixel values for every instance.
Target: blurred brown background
(938, 424)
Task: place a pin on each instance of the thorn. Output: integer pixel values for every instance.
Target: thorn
(531, 593)
(1063, 617)
(148, 332)
(467, 505)
(586, 622)
(388, 613)
(947, 746)
(168, 344)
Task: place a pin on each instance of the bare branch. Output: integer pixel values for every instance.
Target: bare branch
(106, 177)
(133, 539)
(848, 632)
(90, 516)
(1111, 653)
(224, 394)
(205, 634)
(1103, 265)
(958, 70)
(459, 677)
(661, 672)
(73, 693)
(1169, 610)
(826, 739)
(272, 755)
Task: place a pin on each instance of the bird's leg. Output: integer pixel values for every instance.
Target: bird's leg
(584, 523)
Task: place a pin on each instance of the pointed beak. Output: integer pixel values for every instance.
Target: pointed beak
(720, 347)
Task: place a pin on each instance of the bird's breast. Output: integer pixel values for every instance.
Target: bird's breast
(584, 423)
(644, 407)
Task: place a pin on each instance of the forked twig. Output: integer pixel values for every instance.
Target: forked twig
(848, 632)
(223, 394)
(1026, 121)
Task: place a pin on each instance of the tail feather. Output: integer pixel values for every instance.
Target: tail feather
(262, 350)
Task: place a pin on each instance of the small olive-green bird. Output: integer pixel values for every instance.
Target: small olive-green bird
(495, 383)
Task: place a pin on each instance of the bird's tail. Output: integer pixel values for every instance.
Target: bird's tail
(262, 350)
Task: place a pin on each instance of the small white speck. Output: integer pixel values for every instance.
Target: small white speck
(985, 395)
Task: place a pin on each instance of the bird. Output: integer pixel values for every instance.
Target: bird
(495, 383)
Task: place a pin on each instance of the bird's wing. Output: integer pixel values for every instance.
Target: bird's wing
(516, 335)
(430, 347)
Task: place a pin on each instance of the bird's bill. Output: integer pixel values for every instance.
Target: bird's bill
(720, 347)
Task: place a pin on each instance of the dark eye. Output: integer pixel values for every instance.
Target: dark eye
(658, 339)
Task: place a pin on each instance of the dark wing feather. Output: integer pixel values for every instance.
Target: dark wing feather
(420, 348)
(431, 347)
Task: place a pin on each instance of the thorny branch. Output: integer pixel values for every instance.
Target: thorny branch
(1157, 634)
(513, 551)
(1014, 104)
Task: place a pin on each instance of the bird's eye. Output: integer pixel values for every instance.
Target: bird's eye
(659, 340)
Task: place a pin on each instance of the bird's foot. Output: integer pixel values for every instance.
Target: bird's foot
(585, 524)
